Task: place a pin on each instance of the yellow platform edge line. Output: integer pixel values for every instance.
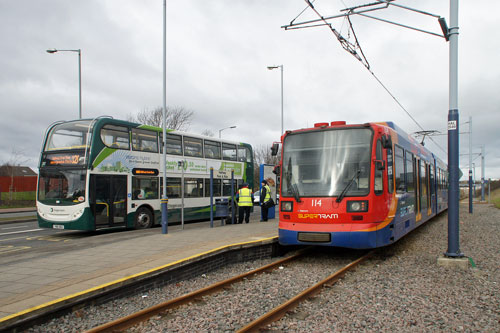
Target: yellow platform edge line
(65, 298)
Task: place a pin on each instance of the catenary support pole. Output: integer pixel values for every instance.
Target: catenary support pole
(453, 145)
(482, 173)
(470, 166)
(164, 198)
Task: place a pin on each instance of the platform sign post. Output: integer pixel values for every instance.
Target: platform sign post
(211, 197)
(233, 208)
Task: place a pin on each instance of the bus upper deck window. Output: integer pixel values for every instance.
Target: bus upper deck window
(115, 136)
(229, 152)
(144, 140)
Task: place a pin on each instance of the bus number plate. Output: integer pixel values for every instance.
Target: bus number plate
(57, 226)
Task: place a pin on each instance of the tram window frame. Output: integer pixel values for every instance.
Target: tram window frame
(140, 189)
(209, 149)
(231, 148)
(378, 185)
(142, 140)
(410, 185)
(117, 137)
(174, 144)
(193, 147)
(390, 170)
(399, 175)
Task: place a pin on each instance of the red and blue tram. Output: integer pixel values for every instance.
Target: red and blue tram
(356, 186)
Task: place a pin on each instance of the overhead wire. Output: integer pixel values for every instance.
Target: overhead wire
(351, 48)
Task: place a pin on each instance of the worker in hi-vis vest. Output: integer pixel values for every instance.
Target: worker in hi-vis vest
(265, 200)
(245, 202)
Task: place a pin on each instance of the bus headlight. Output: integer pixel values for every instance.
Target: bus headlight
(286, 206)
(357, 206)
(77, 214)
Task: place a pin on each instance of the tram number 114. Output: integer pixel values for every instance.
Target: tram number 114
(316, 203)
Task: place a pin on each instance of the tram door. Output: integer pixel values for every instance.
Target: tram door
(108, 200)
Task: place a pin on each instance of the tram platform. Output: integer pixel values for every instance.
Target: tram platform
(42, 283)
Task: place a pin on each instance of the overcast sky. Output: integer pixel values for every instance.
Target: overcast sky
(217, 54)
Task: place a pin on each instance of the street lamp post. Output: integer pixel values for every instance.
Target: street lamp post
(220, 131)
(280, 67)
(79, 51)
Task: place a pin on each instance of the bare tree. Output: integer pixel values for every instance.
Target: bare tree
(177, 118)
(262, 155)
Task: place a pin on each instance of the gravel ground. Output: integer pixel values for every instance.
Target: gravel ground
(403, 289)
(400, 289)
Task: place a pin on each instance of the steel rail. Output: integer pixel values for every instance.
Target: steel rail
(123, 323)
(279, 311)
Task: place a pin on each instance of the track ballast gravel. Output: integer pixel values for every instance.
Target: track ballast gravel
(401, 289)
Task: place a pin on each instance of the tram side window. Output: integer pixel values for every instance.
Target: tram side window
(379, 180)
(390, 174)
(229, 152)
(174, 144)
(400, 169)
(193, 147)
(115, 136)
(217, 187)
(410, 175)
(212, 149)
(144, 140)
(144, 188)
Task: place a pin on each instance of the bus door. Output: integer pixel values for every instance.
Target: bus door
(108, 200)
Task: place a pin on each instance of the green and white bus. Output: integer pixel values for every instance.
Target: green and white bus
(102, 173)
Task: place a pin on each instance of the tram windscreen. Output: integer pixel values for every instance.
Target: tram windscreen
(323, 163)
(64, 187)
(70, 135)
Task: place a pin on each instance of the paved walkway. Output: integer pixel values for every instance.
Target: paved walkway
(33, 284)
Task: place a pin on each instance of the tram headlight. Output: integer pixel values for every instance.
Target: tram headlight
(286, 206)
(357, 206)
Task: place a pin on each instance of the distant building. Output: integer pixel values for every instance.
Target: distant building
(17, 179)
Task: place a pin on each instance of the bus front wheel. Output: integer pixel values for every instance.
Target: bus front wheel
(143, 218)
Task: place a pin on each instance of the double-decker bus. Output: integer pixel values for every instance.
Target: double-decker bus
(102, 173)
(356, 186)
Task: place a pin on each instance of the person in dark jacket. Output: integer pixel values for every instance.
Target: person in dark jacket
(265, 197)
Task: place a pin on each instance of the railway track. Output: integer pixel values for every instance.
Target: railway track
(229, 291)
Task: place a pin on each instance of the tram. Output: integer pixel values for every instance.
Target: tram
(356, 186)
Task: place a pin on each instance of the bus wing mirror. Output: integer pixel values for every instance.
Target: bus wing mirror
(387, 141)
(274, 149)
(380, 165)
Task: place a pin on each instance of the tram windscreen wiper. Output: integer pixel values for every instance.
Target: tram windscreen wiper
(344, 191)
(295, 191)
(291, 187)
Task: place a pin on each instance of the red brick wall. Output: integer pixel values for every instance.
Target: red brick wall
(21, 184)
